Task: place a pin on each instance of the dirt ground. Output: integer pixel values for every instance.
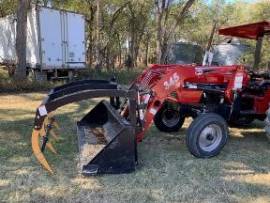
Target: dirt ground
(167, 172)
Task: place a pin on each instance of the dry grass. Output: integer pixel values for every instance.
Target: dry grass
(166, 172)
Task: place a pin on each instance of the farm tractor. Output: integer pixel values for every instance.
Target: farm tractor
(214, 96)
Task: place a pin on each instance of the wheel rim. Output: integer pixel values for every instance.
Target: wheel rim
(210, 137)
(170, 117)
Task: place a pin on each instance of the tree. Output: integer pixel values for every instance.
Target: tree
(164, 30)
(98, 33)
(143, 30)
(137, 19)
(7, 7)
(21, 35)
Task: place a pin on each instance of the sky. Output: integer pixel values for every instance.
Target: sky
(244, 0)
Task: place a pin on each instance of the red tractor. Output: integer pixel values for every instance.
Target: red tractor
(214, 96)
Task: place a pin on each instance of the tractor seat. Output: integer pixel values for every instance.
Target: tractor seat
(264, 84)
(257, 88)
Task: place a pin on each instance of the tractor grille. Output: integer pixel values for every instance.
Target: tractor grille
(151, 77)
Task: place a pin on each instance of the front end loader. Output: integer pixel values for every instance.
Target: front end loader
(109, 133)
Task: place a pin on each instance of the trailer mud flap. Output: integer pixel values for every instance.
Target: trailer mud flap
(106, 142)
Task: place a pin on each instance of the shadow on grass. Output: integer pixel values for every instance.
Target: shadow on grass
(16, 155)
(167, 172)
(35, 97)
(15, 112)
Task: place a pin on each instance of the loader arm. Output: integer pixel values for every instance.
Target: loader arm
(66, 94)
(161, 89)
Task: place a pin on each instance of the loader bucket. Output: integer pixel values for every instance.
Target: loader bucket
(106, 142)
(106, 139)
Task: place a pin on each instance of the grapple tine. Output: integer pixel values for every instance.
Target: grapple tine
(42, 132)
(54, 134)
(50, 120)
(51, 148)
(37, 151)
(53, 121)
(55, 124)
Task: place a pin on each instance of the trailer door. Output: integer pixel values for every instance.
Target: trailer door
(50, 36)
(75, 33)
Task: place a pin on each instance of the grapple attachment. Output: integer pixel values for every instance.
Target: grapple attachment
(106, 139)
(106, 142)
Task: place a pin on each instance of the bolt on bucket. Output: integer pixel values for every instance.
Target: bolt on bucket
(106, 142)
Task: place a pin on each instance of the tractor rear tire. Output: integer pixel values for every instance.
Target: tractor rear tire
(267, 124)
(207, 135)
(168, 120)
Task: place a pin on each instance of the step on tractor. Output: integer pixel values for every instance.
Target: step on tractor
(214, 96)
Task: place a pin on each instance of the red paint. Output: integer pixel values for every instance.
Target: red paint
(248, 31)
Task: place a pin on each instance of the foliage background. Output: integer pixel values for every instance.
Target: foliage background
(127, 32)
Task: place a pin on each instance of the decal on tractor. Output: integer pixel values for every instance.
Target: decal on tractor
(238, 81)
(173, 81)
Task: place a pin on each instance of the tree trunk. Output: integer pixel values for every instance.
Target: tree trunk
(163, 37)
(131, 50)
(20, 71)
(107, 57)
(45, 2)
(217, 12)
(159, 36)
(180, 17)
(120, 51)
(90, 51)
(146, 53)
(90, 38)
(258, 51)
(98, 37)
(211, 38)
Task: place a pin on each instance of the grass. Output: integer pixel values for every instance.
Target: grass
(167, 172)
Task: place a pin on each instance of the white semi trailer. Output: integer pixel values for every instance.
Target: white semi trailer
(55, 42)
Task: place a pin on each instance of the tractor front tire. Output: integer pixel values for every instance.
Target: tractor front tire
(168, 120)
(207, 135)
(267, 124)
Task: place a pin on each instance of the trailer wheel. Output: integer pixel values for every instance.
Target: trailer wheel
(30, 74)
(70, 75)
(207, 135)
(40, 76)
(267, 124)
(168, 119)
